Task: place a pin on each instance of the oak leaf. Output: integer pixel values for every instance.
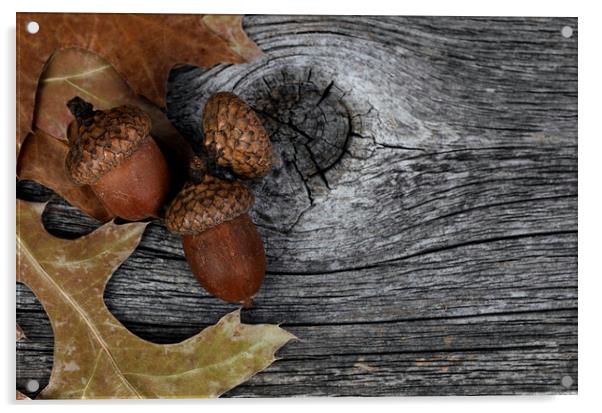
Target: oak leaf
(20, 334)
(95, 356)
(141, 47)
(21, 396)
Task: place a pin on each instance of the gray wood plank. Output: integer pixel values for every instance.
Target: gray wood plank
(420, 223)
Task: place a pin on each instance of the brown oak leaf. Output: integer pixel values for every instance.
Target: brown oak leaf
(95, 356)
(141, 47)
(20, 333)
(21, 396)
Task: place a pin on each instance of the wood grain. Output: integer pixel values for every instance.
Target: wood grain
(420, 223)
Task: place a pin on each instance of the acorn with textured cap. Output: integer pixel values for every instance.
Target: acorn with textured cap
(112, 152)
(222, 245)
(234, 136)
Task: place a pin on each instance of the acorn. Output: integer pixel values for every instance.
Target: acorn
(112, 152)
(222, 245)
(234, 136)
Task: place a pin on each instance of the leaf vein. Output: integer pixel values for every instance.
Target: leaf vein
(76, 75)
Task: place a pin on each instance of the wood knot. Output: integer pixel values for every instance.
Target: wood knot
(306, 118)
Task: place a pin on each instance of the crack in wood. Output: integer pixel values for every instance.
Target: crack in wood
(433, 250)
(325, 93)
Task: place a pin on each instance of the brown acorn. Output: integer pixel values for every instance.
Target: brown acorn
(221, 244)
(112, 152)
(235, 137)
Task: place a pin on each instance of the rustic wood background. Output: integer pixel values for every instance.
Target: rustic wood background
(421, 221)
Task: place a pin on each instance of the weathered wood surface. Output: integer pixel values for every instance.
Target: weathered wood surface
(421, 221)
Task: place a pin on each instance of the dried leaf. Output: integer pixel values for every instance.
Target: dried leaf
(73, 72)
(229, 28)
(95, 356)
(20, 333)
(141, 47)
(21, 396)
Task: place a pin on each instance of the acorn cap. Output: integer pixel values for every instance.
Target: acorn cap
(235, 137)
(103, 140)
(200, 206)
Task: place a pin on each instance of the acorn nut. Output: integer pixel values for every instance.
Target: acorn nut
(235, 137)
(222, 245)
(113, 152)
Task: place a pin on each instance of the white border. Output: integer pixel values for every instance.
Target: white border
(589, 187)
